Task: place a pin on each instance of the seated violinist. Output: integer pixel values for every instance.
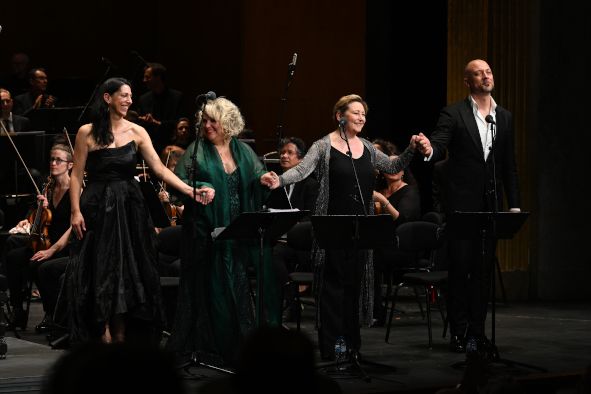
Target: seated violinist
(169, 238)
(42, 236)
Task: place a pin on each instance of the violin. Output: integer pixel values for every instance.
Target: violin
(39, 239)
(169, 208)
(40, 220)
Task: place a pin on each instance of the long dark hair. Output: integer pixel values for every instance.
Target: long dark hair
(101, 123)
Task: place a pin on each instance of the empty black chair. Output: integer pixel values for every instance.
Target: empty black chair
(421, 238)
(300, 239)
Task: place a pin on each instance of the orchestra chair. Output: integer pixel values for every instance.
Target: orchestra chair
(3, 316)
(300, 239)
(421, 238)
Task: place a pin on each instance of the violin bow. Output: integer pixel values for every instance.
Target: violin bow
(20, 157)
(162, 188)
(72, 150)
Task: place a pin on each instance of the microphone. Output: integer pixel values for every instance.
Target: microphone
(202, 98)
(490, 119)
(292, 65)
(139, 57)
(342, 123)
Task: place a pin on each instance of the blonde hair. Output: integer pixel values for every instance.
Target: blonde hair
(224, 112)
(343, 104)
(64, 148)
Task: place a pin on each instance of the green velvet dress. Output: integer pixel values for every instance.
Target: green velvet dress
(215, 309)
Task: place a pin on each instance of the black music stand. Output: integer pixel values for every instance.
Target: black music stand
(488, 226)
(266, 226)
(354, 233)
(32, 147)
(53, 120)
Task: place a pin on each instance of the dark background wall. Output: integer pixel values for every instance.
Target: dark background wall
(562, 156)
(397, 60)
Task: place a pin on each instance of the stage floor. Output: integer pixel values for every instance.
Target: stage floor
(552, 336)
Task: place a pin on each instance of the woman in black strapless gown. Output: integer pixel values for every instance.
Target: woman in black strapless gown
(112, 283)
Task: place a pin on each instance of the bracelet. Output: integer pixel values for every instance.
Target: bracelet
(384, 206)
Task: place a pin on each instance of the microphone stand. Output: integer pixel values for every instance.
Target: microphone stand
(350, 154)
(290, 72)
(194, 361)
(495, 211)
(107, 71)
(493, 239)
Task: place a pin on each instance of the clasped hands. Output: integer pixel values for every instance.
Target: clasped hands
(204, 195)
(422, 143)
(271, 180)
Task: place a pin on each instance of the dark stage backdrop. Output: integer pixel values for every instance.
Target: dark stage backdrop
(406, 75)
(241, 50)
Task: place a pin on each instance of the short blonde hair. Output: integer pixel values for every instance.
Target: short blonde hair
(226, 113)
(343, 104)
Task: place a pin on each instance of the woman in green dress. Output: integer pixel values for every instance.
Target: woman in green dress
(215, 309)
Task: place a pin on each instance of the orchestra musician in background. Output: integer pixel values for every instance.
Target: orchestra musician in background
(23, 257)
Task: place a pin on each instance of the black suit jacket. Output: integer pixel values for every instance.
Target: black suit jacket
(165, 107)
(469, 177)
(20, 123)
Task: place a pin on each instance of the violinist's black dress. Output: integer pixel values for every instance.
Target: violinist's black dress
(112, 270)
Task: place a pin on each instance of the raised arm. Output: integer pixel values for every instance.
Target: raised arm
(204, 194)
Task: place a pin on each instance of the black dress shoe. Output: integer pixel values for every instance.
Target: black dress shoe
(487, 350)
(457, 344)
(45, 325)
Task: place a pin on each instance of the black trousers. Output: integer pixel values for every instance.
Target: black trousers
(469, 285)
(339, 300)
(17, 256)
(50, 276)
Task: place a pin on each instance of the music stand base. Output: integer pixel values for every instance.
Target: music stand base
(495, 358)
(195, 362)
(354, 367)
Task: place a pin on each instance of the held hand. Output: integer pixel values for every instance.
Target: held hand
(205, 195)
(78, 225)
(43, 255)
(421, 143)
(271, 180)
(50, 101)
(424, 145)
(38, 102)
(164, 196)
(42, 198)
(379, 197)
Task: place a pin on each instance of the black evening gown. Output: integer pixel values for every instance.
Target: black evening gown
(112, 270)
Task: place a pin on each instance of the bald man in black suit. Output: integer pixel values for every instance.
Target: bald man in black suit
(464, 131)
